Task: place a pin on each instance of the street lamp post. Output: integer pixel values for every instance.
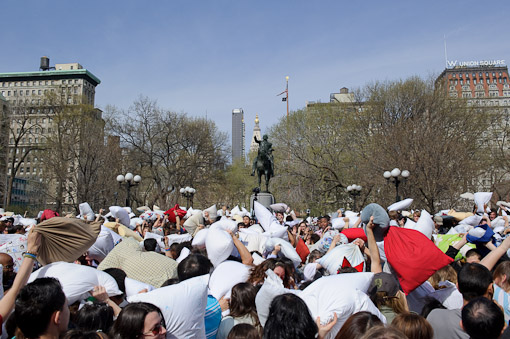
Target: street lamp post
(396, 177)
(354, 191)
(129, 180)
(188, 193)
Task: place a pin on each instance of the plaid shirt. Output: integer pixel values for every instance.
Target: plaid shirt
(148, 267)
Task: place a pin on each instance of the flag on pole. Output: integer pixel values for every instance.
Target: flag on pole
(284, 92)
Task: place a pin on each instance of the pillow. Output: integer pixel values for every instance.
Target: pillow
(133, 287)
(482, 198)
(472, 220)
(253, 241)
(225, 224)
(65, 239)
(133, 222)
(271, 288)
(410, 224)
(381, 219)
(413, 257)
(178, 238)
(443, 241)
(280, 207)
(14, 245)
(459, 215)
(213, 212)
(276, 230)
(286, 249)
(183, 306)
(121, 214)
(123, 231)
(148, 216)
(171, 213)
(199, 238)
(159, 239)
(264, 216)
(400, 205)
(348, 255)
(225, 276)
(103, 245)
(76, 280)
(327, 239)
(480, 234)
(27, 222)
(302, 250)
(219, 245)
(354, 233)
(85, 210)
(338, 223)
(184, 254)
(108, 282)
(425, 224)
(324, 298)
(498, 222)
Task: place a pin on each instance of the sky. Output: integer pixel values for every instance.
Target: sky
(205, 58)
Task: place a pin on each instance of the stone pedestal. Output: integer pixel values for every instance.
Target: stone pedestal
(264, 198)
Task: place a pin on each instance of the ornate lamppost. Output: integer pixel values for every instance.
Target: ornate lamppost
(188, 193)
(396, 177)
(129, 180)
(354, 191)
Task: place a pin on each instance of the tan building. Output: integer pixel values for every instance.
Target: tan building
(26, 95)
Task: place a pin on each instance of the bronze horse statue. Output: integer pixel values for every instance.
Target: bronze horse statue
(263, 167)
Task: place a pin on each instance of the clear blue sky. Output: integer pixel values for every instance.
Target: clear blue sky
(213, 56)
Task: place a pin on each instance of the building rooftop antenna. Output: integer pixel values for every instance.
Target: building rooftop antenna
(445, 52)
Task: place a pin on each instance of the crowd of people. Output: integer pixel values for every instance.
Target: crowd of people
(227, 273)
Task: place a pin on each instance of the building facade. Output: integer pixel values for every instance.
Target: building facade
(238, 134)
(30, 114)
(254, 147)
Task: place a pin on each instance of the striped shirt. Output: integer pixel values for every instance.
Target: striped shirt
(503, 299)
(212, 317)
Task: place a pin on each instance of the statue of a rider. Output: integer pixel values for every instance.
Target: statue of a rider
(265, 149)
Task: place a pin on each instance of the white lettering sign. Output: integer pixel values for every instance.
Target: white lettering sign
(452, 64)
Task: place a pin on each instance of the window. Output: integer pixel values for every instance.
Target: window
(454, 75)
(63, 81)
(39, 92)
(33, 92)
(474, 81)
(467, 75)
(468, 81)
(27, 92)
(461, 81)
(488, 81)
(493, 74)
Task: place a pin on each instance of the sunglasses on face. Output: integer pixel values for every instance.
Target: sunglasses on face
(157, 329)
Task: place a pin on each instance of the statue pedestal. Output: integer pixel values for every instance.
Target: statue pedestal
(264, 198)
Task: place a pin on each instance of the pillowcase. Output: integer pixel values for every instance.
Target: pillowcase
(413, 256)
(482, 198)
(348, 255)
(286, 249)
(225, 224)
(85, 210)
(381, 219)
(225, 276)
(425, 224)
(121, 214)
(183, 306)
(103, 245)
(133, 287)
(199, 238)
(400, 205)
(77, 280)
(280, 207)
(65, 239)
(219, 245)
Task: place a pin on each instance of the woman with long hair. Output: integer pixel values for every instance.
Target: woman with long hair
(242, 309)
(289, 318)
(139, 320)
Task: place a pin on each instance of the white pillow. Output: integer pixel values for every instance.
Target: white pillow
(257, 259)
(108, 282)
(482, 198)
(85, 210)
(134, 221)
(280, 207)
(400, 205)
(199, 239)
(27, 222)
(219, 245)
(253, 241)
(183, 306)
(324, 298)
(334, 259)
(184, 254)
(425, 224)
(473, 220)
(225, 276)
(272, 287)
(103, 245)
(264, 216)
(498, 222)
(121, 214)
(338, 223)
(178, 238)
(133, 287)
(286, 249)
(276, 231)
(225, 224)
(76, 280)
(410, 224)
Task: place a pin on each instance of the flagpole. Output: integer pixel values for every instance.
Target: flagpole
(287, 92)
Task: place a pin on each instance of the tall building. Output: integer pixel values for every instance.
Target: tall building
(31, 118)
(254, 147)
(4, 145)
(238, 134)
(486, 85)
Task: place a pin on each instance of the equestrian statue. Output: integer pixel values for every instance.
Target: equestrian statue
(263, 163)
